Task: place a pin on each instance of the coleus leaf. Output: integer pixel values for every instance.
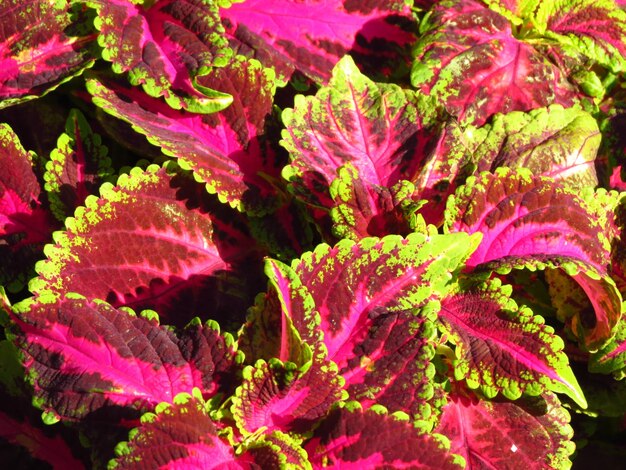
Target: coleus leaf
(363, 210)
(595, 29)
(24, 223)
(277, 396)
(535, 222)
(84, 357)
(531, 433)
(52, 450)
(155, 240)
(377, 321)
(312, 36)
(77, 166)
(558, 142)
(41, 47)
(225, 150)
(501, 348)
(350, 438)
(165, 47)
(612, 357)
(377, 128)
(470, 61)
(183, 435)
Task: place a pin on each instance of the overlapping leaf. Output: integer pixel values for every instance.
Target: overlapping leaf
(376, 321)
(24, 224)
(225, 150)
(312, 36)
(156, 240)
(471, 62)
(353, 438)
(532, 433)
(501, 348)
(41, 46)
(165, 46)
(84, 357)
(77, 166)
(535, 222)
(286, 397)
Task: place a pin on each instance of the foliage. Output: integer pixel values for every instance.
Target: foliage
(310, 234)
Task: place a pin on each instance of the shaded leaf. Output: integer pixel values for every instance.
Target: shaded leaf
(352, 438)
(77, 166)
(312, 36)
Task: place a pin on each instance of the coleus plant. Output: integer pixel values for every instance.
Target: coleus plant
(310, 234)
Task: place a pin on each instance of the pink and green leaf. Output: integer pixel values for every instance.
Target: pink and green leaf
(84, 356)
(41, 47)
(77, 167)
(535, 222)
(471, 62)
(165, 47)
(225, 150)
(279, 396)
(531, 433)
(611, 359)
(351, 438)
(178, 434)
(313, 36)
(561, 143)
(377, 128)
(502, 348)
(155, 240)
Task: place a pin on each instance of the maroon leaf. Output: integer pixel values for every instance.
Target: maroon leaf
(471, 61)
(41, 46)
(165, 46)
(156, 240)
(312, 36)
(225, 150)
(285, 397)
(351, 438)
(85, 357)
(530, 433)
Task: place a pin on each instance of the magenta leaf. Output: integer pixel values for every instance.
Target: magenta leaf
(77, 166)
(52, 450)
(470, 60)
(312, 36)
(84, 356)
(351, 438)
(501, 348)
(156, 240)
(277, 450)
(612, 357)
(535, 222)
(177, 435)
(377, 128)
(41, 47)
(279, 396)
(376, 322)
(24, 224)
(530, 433)
(225, 150)
(165, 47)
